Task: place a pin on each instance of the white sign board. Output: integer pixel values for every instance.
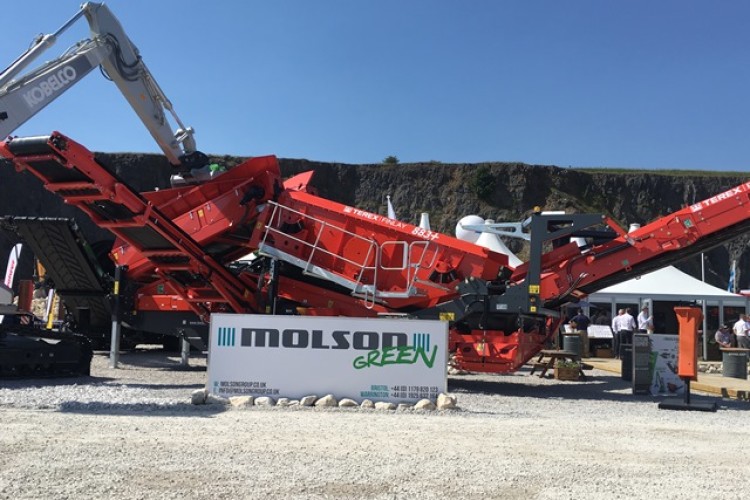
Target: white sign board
(398, 360)
(663, 366)
(599, 332)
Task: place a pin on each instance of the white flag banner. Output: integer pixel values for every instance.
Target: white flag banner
(391, 211)
(10, 269)
(730, 286)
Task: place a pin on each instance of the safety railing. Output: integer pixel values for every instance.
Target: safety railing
(368, 266)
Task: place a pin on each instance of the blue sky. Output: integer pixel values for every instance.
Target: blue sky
(626, 84)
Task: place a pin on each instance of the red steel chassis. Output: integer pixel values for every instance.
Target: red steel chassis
(177, 245)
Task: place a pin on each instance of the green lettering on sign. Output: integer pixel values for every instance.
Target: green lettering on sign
(407, 355)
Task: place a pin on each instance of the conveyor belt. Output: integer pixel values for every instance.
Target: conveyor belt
(69, 262)
(166, 250)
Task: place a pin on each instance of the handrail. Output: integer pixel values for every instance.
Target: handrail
(370, 262)
(315, 247)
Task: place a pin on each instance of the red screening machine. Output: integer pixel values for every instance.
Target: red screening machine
(180, 247)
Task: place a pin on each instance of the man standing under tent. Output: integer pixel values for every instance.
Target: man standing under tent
(645, 321)
(581, 325)
(626, 336)
(622, 328)
(616, 322)
(723, 337)
(740, 332)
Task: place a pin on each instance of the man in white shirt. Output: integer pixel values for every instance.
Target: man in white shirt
(626, 333)
(622, 330)
(616, 325)
(740, 331)
(645, 321)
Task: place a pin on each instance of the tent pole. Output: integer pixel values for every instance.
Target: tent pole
(705, 331)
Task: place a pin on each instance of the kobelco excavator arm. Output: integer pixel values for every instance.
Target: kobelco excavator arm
(24, 92)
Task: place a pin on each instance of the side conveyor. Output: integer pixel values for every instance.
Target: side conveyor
(70, 170)
(70, 263)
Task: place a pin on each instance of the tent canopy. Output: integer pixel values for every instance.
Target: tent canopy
(668, 283)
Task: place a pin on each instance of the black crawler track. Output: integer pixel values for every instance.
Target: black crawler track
(29, 352)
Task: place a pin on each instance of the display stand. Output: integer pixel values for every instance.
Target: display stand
(688, 318)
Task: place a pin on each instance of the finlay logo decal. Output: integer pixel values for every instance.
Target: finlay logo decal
(226, 337)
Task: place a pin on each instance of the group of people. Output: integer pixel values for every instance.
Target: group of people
(624, 324)
(738, 336)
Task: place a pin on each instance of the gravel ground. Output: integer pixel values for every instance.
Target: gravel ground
(132, 433)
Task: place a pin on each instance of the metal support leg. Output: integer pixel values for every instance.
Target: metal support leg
(114, 347)
(273, 291)
(185, 352)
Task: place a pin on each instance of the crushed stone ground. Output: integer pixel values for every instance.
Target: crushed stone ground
(132, 433)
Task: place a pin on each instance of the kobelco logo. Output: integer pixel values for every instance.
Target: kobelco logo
(52, 84)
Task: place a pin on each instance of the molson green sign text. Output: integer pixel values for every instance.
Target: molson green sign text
(397, 360)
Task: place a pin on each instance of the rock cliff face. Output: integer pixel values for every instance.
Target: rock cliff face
(501, 191)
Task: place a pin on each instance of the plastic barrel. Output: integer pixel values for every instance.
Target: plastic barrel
(626, 360)
(572, 343)
(734, 364)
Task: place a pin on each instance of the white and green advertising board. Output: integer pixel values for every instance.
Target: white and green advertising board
(397, 360)
(663, 366)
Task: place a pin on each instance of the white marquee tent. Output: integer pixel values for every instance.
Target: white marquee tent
(668, 284)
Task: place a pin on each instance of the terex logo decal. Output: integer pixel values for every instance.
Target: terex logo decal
(732, 193)
(226, 337)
